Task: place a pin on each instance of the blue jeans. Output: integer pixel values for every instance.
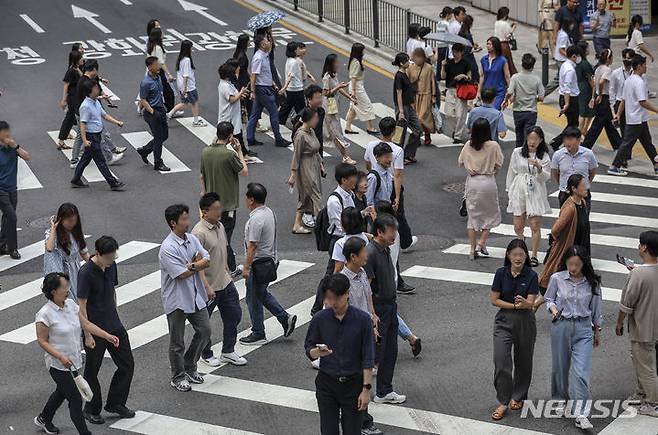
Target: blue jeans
(228, 303)
(571, 345)
(265, 99)
(600, 44)
(403, 330)
(258, 297)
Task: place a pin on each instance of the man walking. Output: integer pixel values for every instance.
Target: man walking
(573, 159)
(570, 11)
(259, 266)
(222, 164)
(342, 336)
(601, 22)
(380, 181)
(210, 232)
(525, 89)
(10, 151)
(155, 113)
(616, 89)
(490, 113)
(91, 128)
(639, 299)
(184, 297)
(263, 92)
(569, 92)
(97, 299)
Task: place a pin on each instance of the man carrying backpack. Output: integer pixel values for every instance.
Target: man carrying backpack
(380, 181)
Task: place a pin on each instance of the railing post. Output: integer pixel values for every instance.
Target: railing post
(544, 66)
(346, 11)
(295, 4)
(375, 22)
(320, 10)
(407, 20)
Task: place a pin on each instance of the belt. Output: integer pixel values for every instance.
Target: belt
(573, 319)
(342, 379)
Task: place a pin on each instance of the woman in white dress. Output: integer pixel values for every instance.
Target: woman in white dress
(362, 108)
(529, 169)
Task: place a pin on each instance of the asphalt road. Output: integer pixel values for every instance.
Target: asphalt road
(453, 376)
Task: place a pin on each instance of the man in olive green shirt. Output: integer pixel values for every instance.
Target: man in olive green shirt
(221, 164)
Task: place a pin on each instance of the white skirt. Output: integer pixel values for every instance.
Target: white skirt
(363, 107)
(521, 201)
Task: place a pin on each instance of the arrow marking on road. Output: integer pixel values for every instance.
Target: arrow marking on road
(126, 2)
(201, 10)
(89, 16)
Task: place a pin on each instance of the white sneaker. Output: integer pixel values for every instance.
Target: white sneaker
(414, 240)
(251, 160)
(233, 358)
(308, 220)
(263, 128)
(178, 114)
(374, 371)
(115, 158)
(316, 364)
(391, 397)
(583, 423)
(73, 164)
(213, 361)
(647, 409)
(199, 123)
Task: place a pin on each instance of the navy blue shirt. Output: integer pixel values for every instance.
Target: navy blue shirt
(8, 169)
(526, 283)
(351, 340)
(97, 286)
(151, 90)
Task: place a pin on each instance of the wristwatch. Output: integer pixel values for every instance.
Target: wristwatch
(367, 386)
(193, 266)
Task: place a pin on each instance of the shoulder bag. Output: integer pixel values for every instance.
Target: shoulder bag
(264, 269)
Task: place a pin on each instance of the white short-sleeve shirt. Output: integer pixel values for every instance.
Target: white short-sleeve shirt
(398, 155)
(635, 90)
(568, 79)
(295, 68)
(635, 41)
(337, 254)
(185, 70)
(562, 41)
(64, 333)
(228, 111)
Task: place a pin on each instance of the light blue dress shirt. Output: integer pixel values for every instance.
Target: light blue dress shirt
(492, 115)
(260, 65)
(91, 113)
(568, 164)
(574, 298)
(385, 186)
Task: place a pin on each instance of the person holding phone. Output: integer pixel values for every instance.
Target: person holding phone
(344, 380)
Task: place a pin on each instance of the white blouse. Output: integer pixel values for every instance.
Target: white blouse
(502, 30)
(64, 332)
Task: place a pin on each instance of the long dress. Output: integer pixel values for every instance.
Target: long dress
(363, 106)
(59, 261)
(332, 128)
(423, 77)
(306, 161)
(494, 77)
(584, 72)
(526, 188)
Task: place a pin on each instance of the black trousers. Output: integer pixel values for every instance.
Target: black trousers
(632, 134)
(562, 196)
(228, 220)
(572, 119)
(386, 352)
(622, 118)
(294, 100)
(8, 234)
(403, 226)
(67, 123)
(157, 123)
(602, 120)
(122, 357)
(337, 402)
(523, 121)
(95, 153)
(319, 300)
(167, 92)
(66, 389)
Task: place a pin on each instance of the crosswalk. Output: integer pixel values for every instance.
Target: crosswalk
(140, 138)
(91, 172)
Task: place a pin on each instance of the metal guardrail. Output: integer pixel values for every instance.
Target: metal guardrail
(383, 22)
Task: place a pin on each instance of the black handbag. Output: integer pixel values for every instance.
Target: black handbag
(264, 269)
(463, 211)
(512, 43)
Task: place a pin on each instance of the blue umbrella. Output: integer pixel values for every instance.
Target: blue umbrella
(264, 19)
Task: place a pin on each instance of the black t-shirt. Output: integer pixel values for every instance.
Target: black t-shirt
(565, 12)
(79, 97)
(403, 84)
(526, 283)
(243, 76)
(98, 288)
(582, 237)
(454, 69)
(71, 77)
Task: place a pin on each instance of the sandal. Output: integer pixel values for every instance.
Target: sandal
(373, 132)
(349, 160)
(301, 230)
(515, 405)
(63, 146)
(534, 262)
(410, 161)
(351, 132)
(499, 413)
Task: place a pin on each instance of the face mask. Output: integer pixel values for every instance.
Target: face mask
(578, 59)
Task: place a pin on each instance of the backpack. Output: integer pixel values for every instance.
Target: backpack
(378, 183)
(321, 229)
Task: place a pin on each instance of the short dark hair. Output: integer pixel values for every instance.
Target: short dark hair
(338, 284)
(307, 114)
(345, 170)
(106, 245)
(572, 131)
(353, 246)
(650, 240)
(383, 206)
(488, 94)
(528, 61)
(258, 39)
(224, 130)
(572, 51)
(387, 125)
(90, 65)
(400, 59)
(257, 192)
(174, 212)
(4, 125)
(226, 71)
(458, 47)
(458, 10)
(382, 222)
(503, 13)
(150, 61)
(637, 61)
(627, 52)
(88, 86)
(351, 220)
(51, 283)
(208, 199)
(382, 148)
(291, 49)
(312, 90)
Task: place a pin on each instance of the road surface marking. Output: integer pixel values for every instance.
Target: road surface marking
(91, 172)
(37, 28)
(638, 425)
(78, 12)
(140, 138)
(596, 239)
(614, 198)
(286, 133)
(108, 91)
(617, 219)
(626, 181)
(26, 178)
(155, 424)
(201, 10)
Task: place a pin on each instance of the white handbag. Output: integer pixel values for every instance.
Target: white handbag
(81, 384)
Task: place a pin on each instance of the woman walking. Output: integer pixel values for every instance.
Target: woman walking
(547, 9)
(634, 38)
(514, 288)
(69, 90)
(58, 325)
(306, 169)
(243, 79)
(495, 71)
(361, 106)
(331, 88)
(404, 97)
(420, 73)
(586, 98)
(186, 83)
(574, 299)
(571, 228)
(296, 74)
(155, 48)
(65, 245)
(504, 30)
(603, 112)
(465, 32)
(482, 158)
(529, 170)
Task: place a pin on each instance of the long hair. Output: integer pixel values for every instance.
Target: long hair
(241, 46)
(495, 43)
(151, 25)
(466, 25)
(357, 53)
(330, 65)
(65, 211)
(185, 51)
(517, 243)
(480, 133)
(572, 183)
(635, 19)
(604, 55)
(588, 270)
(155, 38)
(542, 148)
(74, 59)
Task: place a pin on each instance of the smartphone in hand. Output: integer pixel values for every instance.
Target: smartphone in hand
(628, 263)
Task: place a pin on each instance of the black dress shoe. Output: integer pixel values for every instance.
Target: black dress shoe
(161, 167)
(14, 254)
(251, 153)
(120, 186)
(405, 288)
(78, 183)
(144, 155)
(4, 250)
(122, 410)
(256, 143)
(283, 143)
(93, 419)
